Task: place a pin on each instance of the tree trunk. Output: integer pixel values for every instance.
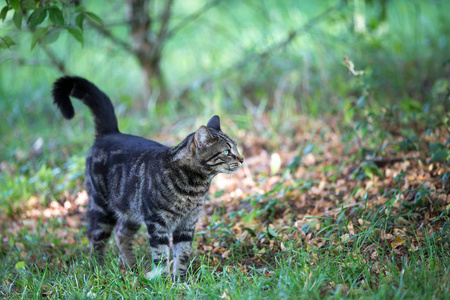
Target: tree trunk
(147, 46)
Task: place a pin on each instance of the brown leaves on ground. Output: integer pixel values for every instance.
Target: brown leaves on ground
(308, 198)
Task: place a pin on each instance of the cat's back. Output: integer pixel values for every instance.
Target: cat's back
(127, 143)
(114, 159)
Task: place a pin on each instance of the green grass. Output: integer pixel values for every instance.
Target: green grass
(347, 256)
(57, 270)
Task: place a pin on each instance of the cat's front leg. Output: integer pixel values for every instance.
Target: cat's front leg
(181, 252)
(182, 246)
(159, 246)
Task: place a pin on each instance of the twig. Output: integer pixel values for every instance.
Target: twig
(162, 34)
(192, 17)
(165, 17)
(269, 50)
(58, 63)
(106, 33)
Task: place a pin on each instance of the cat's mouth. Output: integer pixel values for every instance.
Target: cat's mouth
(232, 168)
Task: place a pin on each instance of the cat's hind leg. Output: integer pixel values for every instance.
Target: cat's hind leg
(101, 223)
(124, 236)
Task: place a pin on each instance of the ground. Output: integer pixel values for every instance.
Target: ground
(305, 220)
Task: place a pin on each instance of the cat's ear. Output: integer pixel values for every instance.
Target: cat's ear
(202, 137)
(214, 123)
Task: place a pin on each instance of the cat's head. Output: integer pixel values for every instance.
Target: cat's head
(215, 150)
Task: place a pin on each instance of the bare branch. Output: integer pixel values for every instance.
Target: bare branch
(192, 17)
(165, 17)
(271, 49)
(56, 62)
(107, 33)
(290, 37)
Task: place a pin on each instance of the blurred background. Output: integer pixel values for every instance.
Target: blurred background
(374, 72)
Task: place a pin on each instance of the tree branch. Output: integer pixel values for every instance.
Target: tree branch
(106, 33)
(271, 49)
(162, 34)
(192, 17)
(58, 63)
(165, 17)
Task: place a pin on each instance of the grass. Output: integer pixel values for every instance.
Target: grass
(380, 239)
(343, 269)
(384, 241)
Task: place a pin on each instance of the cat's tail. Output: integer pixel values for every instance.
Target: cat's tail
(99, 104)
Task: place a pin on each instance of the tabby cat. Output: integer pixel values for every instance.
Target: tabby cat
(131, 180)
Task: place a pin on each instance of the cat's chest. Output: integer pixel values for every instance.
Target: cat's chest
(181, 210)
(181, 206)
(178, 195)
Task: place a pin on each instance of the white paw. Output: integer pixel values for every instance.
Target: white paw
(157, 272)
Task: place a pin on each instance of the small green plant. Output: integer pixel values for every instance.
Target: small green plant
(58, 14)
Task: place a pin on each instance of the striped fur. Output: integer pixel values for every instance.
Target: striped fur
(131, 180)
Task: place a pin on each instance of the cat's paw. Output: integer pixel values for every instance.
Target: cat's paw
(158, 272)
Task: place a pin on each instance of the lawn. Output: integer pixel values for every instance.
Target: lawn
(303, 222)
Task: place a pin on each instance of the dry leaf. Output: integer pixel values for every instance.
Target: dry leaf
(344, 238)
(398, 241)
(350, 228)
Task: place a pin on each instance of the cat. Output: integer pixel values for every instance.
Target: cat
(131, 180)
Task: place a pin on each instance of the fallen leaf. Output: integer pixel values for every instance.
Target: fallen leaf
(275, 163)
(350, 228)
(344, 238)
(20, 265)
(398, 241)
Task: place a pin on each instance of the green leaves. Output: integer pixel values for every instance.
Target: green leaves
(37, 17)
(47, 34)
(367, 169)
(79, 20)
(15, 4)
(3, 12)
(94, 18)
(438, 152)
(45, 30)
(56, 16)
(6, 42)
(17, 19)
(270, 232)
(440, 155)
(38, 35)
(76, 33)
(82, 15)
(51, 37)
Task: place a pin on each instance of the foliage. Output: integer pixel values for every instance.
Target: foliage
(46, 20)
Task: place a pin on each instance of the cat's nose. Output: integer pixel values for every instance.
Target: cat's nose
(240, 159)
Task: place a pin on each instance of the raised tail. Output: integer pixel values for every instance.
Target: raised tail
(99, 104)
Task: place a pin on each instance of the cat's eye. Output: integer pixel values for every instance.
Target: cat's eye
(226, 152)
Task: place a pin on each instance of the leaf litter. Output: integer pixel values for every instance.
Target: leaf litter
(301, 195)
